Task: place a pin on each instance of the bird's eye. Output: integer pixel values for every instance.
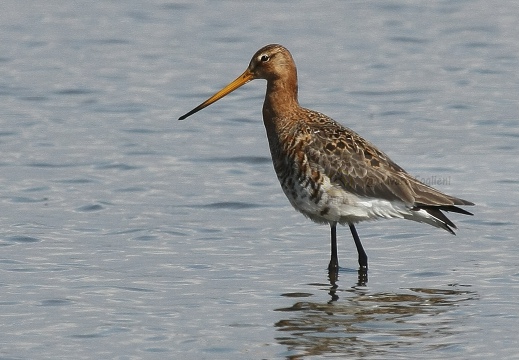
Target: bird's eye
(264, 58)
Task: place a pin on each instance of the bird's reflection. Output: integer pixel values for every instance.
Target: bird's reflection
(364, 323)
(333, 277)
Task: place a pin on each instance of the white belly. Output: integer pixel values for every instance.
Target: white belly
(334, 205)
(337, 205)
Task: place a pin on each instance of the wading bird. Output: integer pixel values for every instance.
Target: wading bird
(327, 171)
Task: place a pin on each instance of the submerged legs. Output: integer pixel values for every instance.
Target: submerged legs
(334, 259)
(333, 267)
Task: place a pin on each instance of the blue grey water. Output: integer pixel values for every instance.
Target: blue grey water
(126, 234)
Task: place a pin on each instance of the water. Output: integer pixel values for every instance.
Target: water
(129, 235)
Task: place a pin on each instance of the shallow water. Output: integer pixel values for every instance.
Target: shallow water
(130, 235)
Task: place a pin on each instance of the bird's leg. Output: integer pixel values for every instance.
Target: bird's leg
(333, 267)
(363, 258)
(362, 279)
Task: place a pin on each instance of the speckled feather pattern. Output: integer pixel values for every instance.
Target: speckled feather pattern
(327, 171)
(330, 173)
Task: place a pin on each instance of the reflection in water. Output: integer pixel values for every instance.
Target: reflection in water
(371, 325)
(333, 277)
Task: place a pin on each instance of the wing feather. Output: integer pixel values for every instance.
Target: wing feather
(360, 168)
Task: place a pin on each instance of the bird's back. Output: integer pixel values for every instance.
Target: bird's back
(332, 174)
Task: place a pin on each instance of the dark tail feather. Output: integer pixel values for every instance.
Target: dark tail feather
(450, 208)
(436, 211)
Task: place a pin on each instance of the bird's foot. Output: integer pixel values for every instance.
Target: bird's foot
(333, 270)
(363, 276)
(333, 266)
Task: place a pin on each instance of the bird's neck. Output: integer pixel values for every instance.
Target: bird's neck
(279, 111)
(280, 99)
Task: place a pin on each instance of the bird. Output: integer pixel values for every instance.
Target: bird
(327, 171)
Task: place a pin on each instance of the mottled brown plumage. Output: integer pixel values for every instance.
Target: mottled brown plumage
(327, 171)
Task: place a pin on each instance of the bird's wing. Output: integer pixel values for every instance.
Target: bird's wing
(360, 168)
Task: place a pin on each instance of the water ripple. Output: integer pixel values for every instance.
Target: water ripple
(372, 323)
(229, 205)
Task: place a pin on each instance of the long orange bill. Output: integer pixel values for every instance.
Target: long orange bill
(240, 80)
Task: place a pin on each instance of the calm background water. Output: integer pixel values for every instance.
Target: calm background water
(127, 234)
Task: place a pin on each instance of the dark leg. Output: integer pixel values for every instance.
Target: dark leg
(363, 258)
(363, 276)
(334, 260)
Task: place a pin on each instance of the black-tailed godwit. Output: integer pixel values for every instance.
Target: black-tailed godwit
(327, 171)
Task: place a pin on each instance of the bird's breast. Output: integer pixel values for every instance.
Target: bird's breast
(315, 195)
(307, 188)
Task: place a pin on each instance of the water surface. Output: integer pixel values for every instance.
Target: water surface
(129, 235)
